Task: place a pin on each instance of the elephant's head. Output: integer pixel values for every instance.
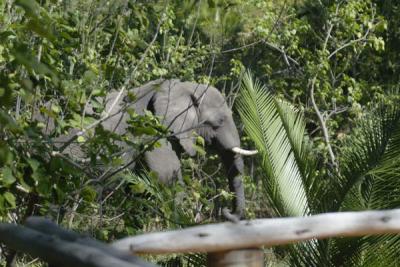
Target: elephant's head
(190, 107)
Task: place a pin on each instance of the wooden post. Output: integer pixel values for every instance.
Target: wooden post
(252, 257)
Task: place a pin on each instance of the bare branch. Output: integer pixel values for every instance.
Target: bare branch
(321, 120)
(322, 123)
(363, 38)
(72, 162)
(243, 47)
(286, 57)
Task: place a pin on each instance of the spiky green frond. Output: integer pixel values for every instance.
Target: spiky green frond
(370, 162)
(380, 251)
(370, 179)
(278, 132)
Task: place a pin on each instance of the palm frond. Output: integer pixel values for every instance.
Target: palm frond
(381, 251)
(371, 160)
(278, 133)
(370, 179)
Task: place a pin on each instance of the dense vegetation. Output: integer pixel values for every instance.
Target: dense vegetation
(324, 113)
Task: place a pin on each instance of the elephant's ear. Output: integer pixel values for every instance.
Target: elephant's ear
(174, 103)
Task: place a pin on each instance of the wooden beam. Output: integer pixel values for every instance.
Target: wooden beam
(48, 227)
(57, 251)
(263, 232)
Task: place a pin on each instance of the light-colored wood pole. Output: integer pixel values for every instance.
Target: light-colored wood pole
(253, 257)
(263, 232)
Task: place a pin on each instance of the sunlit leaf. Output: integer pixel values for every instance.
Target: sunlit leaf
(7, 176)
(10, 198)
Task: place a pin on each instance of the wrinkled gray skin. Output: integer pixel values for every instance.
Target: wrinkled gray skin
(185, 107)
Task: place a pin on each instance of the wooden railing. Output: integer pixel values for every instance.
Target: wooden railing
(226, 243)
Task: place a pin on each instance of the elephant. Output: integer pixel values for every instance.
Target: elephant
(186, 109)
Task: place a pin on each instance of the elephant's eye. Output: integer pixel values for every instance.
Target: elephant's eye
(216, 123)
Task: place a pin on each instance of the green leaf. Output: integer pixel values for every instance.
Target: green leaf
(200, 150)
(24, 57)
(226, 195)
(138, 188)
(7, 176)
(196, 195)
(44, 186)
(89, 194)
(30, 7)
(200, 141)
(2, 204)
(137, 131)
(10, 198)
(89, 77)
(55, 108)
(34, 164)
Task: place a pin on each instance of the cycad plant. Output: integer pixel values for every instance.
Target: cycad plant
(297, 182)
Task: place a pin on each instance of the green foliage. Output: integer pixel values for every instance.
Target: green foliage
(367, 175)
(72, 53)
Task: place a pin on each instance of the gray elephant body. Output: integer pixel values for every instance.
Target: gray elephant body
(185, 108)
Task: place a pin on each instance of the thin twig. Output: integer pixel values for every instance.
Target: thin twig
(363, 38)
(322, 122)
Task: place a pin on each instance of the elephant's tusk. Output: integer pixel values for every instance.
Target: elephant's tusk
(244, 152)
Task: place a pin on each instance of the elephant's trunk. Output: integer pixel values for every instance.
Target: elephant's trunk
(244, 152)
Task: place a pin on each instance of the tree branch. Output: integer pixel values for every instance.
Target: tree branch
(363, 38)
(314, 104)
(322, 123)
